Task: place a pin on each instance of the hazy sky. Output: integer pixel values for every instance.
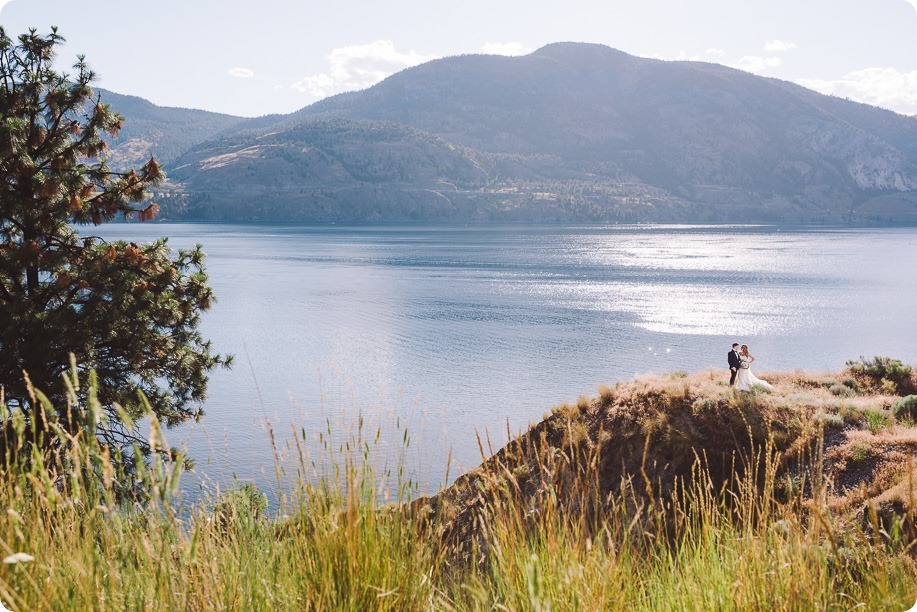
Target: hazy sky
(272, 56)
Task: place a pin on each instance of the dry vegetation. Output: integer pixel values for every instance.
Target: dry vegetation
(663, 493)
(824, 440)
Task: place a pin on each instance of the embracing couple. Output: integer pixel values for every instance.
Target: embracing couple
(740, 361)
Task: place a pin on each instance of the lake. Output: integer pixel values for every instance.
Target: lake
(447, 331)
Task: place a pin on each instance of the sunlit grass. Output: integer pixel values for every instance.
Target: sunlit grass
(537, 530)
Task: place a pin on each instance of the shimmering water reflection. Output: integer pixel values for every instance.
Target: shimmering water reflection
(452, 330)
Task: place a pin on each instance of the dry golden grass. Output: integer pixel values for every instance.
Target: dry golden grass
(642, 439)
(669, 492)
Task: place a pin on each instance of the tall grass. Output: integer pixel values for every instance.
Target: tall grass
(334, 544)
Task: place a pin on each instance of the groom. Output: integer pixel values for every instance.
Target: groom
(734, 362)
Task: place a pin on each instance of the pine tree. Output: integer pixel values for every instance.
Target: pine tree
(128, 311)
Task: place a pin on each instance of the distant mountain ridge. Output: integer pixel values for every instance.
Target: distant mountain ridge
(163, 131)
(572, 132)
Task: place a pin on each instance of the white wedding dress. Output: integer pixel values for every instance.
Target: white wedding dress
(746, 380)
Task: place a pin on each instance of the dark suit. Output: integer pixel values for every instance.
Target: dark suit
(734, 363)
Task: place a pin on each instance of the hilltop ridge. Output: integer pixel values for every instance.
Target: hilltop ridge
(162, 131)
(839, 440)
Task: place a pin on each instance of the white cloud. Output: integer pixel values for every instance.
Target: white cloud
(509, 48)
(912, 3)
(720, 52)
(358, 67)
(885, 87)
(779, 45)
(683, 56)
(754, 63)
(241, 73)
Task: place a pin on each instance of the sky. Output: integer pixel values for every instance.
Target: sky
(276, 56)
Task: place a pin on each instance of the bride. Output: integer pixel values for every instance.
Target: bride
(746, 380)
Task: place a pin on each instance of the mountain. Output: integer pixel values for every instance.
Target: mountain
(328, 170)
(572, 132)
(161, 131)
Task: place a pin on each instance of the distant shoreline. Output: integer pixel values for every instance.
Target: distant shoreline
(521, 225)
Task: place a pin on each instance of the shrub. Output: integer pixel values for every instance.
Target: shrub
(876, 419)
(860, 452)
(888, 387)
(830, 420)
(878, 370)
(245, 503)
(703, 404)
(606, 395)
(905, 408)
(566, 410)
(842, 391)
(849, 414)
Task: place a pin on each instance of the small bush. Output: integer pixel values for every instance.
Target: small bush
(851, 382)
(842, 391)
(888, 387)
(830, 420)
(245, 503)
(703, 404)
(905, 408)
(860, 452)
(876, 419)
(606, 395)
(877, 370)
(849, 414)
(566, 410)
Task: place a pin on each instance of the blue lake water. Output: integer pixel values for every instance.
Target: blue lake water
(451, 331)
